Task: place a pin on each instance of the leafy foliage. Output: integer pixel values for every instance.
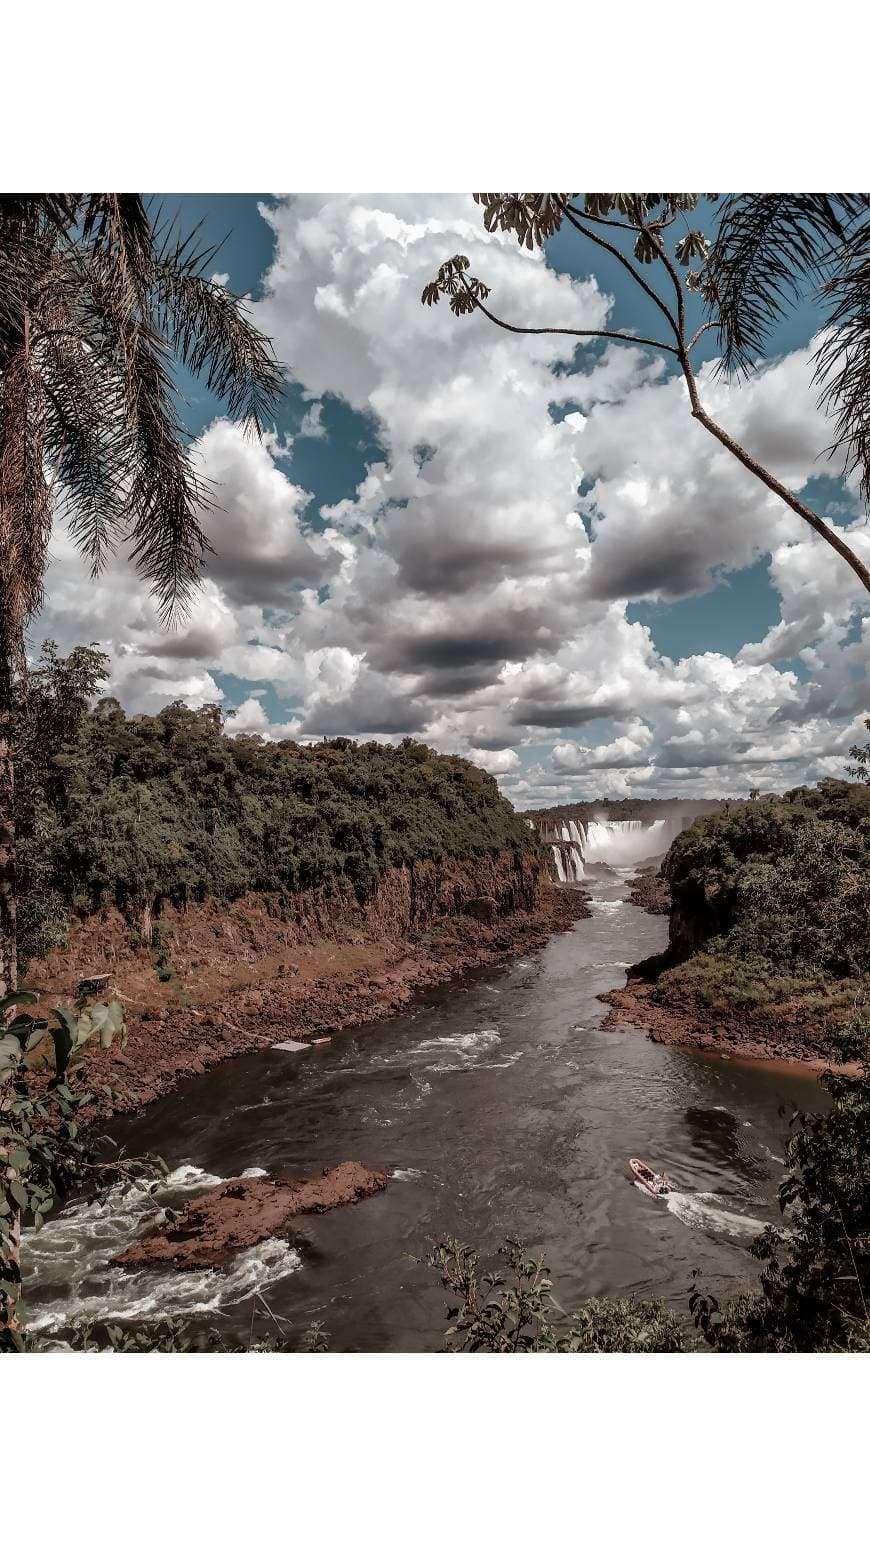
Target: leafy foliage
(45, 1151)
(97, 296)
(134, 811)
(784, 884)
(767, 248)
(515, 1314)
(860, 767)
(815, 1283)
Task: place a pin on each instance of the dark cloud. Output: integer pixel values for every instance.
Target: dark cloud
(554, 715)
(187, 644)
(253, 579)
(370, 710)
(459, 650)
(433, 566)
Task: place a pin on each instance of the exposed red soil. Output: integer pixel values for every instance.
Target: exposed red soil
(212, 1229)
(242, 977)
(790, 1031)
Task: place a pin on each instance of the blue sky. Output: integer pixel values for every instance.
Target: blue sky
(572, 585)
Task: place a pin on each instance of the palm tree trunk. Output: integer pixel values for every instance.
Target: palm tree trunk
(8, 953)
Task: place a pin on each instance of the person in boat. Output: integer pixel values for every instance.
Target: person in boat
(664, 1182)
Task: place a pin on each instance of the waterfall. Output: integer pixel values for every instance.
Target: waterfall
(622, 844)
(566, 836)
(557, 857)
(575, 862)
(575, 834)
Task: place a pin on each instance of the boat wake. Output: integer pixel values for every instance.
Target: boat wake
(704, 1210)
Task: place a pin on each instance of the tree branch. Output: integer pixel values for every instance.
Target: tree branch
(571, 332)
(702, 329)
(599, 241)
(827, 533)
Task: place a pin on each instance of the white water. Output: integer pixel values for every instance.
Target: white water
(702, 1210)
(625, 843)
(65, 1263)
(568, 862)
(575, 863)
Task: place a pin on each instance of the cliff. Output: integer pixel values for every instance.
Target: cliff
(221, 979)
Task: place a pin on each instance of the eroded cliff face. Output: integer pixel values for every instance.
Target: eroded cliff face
(217, 981)
(228, 941)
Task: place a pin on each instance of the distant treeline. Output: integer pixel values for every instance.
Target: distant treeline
(134, 810)
(629, 809)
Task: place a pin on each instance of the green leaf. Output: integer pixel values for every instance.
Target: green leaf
(17, 1159)
(18, 1193)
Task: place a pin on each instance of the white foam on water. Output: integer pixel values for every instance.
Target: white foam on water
(66, 1263)
(406, 1175)
(508, 1062)
(606, 904)
(777, 1158)
(702, 1210)
(462, 1051)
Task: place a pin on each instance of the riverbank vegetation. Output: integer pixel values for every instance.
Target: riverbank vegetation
(770, 903)
(132, 812)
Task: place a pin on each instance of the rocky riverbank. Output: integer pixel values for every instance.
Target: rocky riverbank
(792, 1031)
(220, 981)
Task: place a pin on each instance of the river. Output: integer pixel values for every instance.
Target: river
(501, 1108)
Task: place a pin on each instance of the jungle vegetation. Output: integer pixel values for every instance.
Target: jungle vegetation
(771, 898)
(133, 811)
(101, 299)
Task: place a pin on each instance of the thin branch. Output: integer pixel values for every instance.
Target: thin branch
(827, 533)
(599, 241)
(702, 329)
(572, 332)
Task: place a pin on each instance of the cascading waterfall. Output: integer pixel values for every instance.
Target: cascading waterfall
(622, 844)
(568, 862)
(575, 863)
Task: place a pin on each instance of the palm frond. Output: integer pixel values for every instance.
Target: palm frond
(843, 360)
(85, 444)
(768, 247)
(165, 496)
(213, 332)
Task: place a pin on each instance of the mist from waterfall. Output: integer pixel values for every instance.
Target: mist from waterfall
(622, 844)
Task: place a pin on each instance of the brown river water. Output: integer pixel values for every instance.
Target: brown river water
(501, 1108)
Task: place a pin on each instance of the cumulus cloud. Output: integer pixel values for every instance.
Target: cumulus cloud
(466, 591)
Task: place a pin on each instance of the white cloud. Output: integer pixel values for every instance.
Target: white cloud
(455, 594)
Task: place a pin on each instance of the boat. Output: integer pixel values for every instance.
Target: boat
(653, 1181)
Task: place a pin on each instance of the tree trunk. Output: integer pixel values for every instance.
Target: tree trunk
(8, 952)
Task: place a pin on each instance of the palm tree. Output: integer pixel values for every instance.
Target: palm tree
(98, 301)
(768, 248)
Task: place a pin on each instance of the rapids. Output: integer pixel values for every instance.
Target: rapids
(501, 1108)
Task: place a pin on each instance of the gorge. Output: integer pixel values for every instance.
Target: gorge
(257, 907)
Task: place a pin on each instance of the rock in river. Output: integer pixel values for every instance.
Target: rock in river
(211, 1229)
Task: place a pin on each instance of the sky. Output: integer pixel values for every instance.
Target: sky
(509, 547)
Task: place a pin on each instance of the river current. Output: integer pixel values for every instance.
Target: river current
(501, 1108)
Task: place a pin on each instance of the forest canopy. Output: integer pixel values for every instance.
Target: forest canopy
(131, 811)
